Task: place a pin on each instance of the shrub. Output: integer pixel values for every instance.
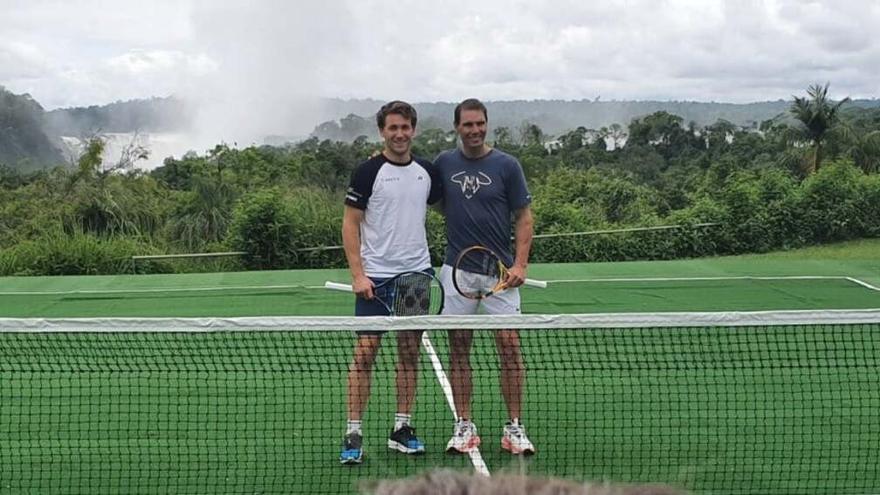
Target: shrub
(830, 203)
(273, 228)
(72, 254)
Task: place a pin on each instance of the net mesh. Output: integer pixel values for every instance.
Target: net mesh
(732, 407)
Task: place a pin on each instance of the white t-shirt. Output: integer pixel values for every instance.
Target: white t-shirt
(394, 197)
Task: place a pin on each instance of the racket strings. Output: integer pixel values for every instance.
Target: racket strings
(416, 295)
(479, 273)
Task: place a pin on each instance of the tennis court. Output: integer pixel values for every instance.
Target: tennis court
(722, 284)
(752, 409)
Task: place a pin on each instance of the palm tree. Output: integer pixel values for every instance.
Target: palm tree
(863, 146)
(818, 115)
(204, 216)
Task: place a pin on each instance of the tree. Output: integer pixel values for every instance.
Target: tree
(862, 145)
(530, 134)
(112, 199)
(23, 142)
(574, 140)
(203, 216)
(865, 151)
(817, 115)
(503, 137)
(718, 135)
(661, 130)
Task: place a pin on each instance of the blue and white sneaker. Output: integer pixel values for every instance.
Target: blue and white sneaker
(405, 440)
(352, 452)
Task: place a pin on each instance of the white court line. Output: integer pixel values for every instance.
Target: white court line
(476, 457)
(148, 290)
(863, 283)
(741, 277)
(686, 279)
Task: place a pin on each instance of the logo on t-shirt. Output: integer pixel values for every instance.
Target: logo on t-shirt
(470, 184)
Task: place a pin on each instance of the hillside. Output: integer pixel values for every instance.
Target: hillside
(24, 144)
(168, 114)
(554, 117)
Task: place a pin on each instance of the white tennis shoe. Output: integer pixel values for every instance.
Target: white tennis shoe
(464, 438)
(515, 440)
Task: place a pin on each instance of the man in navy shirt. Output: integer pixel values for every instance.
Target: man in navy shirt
(383, 233)
(482, 189)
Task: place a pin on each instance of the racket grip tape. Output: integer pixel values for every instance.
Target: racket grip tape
(534, 283)
(337, 286)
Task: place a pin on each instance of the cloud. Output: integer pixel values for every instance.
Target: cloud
(20, 60)
(259, 67)
(140, 62)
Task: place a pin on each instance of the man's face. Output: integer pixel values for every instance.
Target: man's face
(472, 128)
(397, 133)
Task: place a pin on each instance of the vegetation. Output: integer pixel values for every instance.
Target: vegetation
(23, 141)
(556, 117)
(806, 178)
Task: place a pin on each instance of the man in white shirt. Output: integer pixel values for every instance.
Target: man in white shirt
(383, 233)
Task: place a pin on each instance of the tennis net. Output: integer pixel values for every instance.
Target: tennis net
(763, 402)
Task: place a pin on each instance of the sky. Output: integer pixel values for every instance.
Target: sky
(237, 59)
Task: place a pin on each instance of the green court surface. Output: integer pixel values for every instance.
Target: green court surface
(748, 410)
(696, 285)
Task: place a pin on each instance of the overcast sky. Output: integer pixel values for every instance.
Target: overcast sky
(273, 54)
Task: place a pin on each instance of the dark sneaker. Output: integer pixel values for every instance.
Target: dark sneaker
(352, 453)
(404, 440)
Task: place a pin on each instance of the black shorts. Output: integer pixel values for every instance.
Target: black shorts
(372, 307)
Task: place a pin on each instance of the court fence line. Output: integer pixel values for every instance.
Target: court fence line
(137, 258)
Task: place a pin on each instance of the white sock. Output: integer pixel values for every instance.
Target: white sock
(353, 426)
(401, 419)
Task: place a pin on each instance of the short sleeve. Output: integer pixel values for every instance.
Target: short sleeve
(436, 192)
(360, 187)
(518, 195)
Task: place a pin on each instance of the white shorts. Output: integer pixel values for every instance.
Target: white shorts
(503, 303)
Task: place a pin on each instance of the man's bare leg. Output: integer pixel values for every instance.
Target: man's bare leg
(460, 370)
(360, 374)
(407, 369)
(512, 370)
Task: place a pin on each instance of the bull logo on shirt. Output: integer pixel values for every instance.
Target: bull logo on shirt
(470, 184)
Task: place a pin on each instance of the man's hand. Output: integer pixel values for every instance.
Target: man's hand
(516, 275)
(362, 286)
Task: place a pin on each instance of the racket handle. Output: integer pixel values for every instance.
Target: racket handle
(534, 283)
(337, 286)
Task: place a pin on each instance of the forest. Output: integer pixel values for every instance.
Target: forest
(809, 175)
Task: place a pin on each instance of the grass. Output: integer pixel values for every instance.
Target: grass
(861, 249)
(717, 411)
(299, 292)
(745, 410)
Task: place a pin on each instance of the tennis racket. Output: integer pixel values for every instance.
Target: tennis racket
(479, 272)
(405, 294)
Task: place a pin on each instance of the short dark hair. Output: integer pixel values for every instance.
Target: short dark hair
(469, 104)
(397, 107)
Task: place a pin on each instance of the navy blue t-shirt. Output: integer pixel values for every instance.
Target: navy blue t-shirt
(479, 198)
